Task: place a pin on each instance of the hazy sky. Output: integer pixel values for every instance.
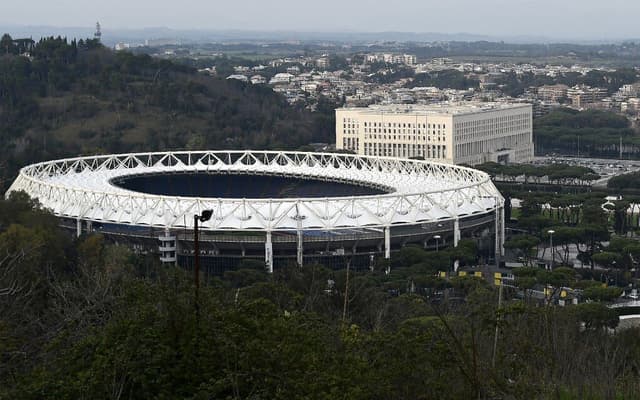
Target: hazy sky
(592, 19)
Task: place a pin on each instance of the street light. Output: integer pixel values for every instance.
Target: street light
(437, 238)
(205, 216)
(553, 256)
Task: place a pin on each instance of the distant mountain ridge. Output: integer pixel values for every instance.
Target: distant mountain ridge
(112, 36)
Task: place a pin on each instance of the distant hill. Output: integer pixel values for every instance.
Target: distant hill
(139, 35)
(76, 98)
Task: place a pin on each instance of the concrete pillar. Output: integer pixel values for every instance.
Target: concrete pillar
(387, 242)
(78, 227)
(299, 251)
(456, 232)
(502, 227)
(268, 253)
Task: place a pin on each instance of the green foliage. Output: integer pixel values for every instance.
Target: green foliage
(625, 181)
(89, 319)
(452, 79)
(524, 244)
(599, 293)
(598, 133)
(596, 315)
(607, 259)
(386, 74)
(555, 173)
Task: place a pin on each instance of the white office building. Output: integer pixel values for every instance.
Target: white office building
(456, 133)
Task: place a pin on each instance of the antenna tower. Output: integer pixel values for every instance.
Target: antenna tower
(98, 34)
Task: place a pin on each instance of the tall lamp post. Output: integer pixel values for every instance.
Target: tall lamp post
(553, 256)
(205, 216)
(437, 238)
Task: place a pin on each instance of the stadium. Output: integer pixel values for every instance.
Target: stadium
(275, 207)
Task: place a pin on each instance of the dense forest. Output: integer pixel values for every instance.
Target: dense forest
(78, 97)
(82, 318)
(587, 133)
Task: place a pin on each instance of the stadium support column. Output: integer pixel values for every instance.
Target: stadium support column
(387, 242)
(456, 232)
(268, 253)
(499, 214)
(78, 227)
(299, 252)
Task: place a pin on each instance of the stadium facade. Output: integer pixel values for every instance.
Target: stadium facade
(275, 206)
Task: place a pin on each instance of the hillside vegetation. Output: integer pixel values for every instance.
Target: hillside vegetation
(85, 319)
(72, 98)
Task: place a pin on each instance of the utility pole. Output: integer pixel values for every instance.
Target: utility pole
(206, 215)
(495, 338)
(346, 295)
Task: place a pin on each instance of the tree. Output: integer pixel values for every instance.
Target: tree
(596, 316)
(607, 259)
(599, 293)
(525, 245)
(6, 44)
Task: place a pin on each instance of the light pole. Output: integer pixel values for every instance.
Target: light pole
(553, 256)
(437, 238)
(205, 216)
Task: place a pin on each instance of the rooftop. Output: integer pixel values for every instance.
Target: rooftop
(457, 108)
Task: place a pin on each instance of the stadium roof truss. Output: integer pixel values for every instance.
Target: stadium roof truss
(415, 191)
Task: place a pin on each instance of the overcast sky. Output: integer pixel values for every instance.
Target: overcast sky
(580, 19)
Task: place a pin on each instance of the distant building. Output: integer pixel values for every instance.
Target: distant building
(161, 42)
(323, 62)
(280, 78)
(541, 108)
(631, 105)
(552, 93)
(409, 59)
(258, 80)
(238, 77)
(390, 58)
(24, 46)
(630, 90)
(241, 69)
(461, 133)
(581, 95)
(293, 70)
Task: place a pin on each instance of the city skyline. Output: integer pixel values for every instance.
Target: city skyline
(572, 19)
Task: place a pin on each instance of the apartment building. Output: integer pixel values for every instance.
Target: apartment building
(552, 93)
(581, 95)
(458, 133)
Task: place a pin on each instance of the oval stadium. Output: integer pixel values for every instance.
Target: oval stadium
(276, 207)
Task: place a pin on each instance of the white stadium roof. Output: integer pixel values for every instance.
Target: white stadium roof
(419, 191)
